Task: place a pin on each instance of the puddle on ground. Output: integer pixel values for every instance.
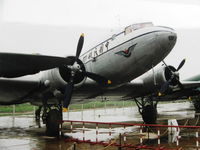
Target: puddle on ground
(21, 132)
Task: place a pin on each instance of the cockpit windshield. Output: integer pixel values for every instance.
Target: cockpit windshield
(137, 26)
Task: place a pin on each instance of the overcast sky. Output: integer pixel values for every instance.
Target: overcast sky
(105, 14)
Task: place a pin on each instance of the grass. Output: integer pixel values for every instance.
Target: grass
(75, 107)
(18, 108)
(97, 104)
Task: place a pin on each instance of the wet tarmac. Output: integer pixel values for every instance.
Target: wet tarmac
(22, 132)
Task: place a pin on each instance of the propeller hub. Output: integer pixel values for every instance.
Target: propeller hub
(75, 67)
(176, 73)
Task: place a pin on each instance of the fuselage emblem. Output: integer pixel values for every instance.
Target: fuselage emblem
(126, 52)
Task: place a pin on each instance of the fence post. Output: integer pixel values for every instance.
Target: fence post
(105, 106)
(159, 137)
(60, 129)
(94, 105)
(74, 147)
(124, 134)
(197, 139)
(123, 107)
(68, 112)
(34, 111)
(71, 127)
(14, 110)
(110, 133)
(177, 138)
(97, 127)
(141, 140)
(83, 131)
(82, 112)
(120, 142)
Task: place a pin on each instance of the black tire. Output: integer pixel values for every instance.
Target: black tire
(52, 122)
(149, 114)
(196, 103)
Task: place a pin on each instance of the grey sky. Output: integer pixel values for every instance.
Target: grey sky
(103, 13)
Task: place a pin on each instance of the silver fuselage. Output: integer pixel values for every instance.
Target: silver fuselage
(152, 45)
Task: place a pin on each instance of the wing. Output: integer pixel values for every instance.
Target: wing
(132, 90)
(189, 88)
(19, 91)
(16, 65)
(190, 84)
(16, 91)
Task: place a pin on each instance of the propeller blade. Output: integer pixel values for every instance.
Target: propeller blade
(68, 94)
(74, 68)
(181, 64)
(98, 78)
(166, 65)
(79, 46)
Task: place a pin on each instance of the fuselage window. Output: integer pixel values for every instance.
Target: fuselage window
(107, 43)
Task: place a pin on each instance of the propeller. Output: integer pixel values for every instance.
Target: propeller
(76, 68)
(174, 77)
(181, 64)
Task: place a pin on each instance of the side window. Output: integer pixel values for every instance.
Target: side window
(107, 43)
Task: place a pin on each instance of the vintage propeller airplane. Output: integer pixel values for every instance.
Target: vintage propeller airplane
(111, 68)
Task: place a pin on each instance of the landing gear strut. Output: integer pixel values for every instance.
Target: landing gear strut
(37, 113)
(51, 116)
(148, 109)
(196, 103)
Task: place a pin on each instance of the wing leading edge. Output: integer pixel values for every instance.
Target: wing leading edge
(15, 65)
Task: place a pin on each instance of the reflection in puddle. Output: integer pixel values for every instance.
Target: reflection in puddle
(21, 132)
(103, 133)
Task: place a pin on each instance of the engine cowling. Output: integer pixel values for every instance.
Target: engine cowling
(59, 77)
(154, 79)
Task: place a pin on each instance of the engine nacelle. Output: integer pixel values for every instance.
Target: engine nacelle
(156, 78)
(59, 77)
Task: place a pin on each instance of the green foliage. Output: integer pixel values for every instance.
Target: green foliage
(96, 104)
(18, 108)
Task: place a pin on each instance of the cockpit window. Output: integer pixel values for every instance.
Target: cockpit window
(137, 26)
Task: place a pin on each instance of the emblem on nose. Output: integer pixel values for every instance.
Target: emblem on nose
(126, 52)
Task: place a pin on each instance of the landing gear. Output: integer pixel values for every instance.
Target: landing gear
(52, 122)
(148, 109)
(51, 116)
(37, 113)
(196, 103)
(37, 116)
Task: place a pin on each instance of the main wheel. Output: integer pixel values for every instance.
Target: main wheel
(149, 114)
(196, 103)
(52, 122)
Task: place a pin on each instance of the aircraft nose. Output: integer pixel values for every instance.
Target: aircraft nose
(172, 38)
(167, 40)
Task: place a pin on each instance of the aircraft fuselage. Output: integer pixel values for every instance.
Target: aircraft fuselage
(124, 57)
